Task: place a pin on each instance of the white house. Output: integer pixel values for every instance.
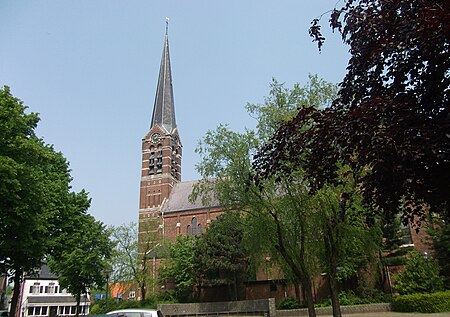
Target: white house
(41, 296)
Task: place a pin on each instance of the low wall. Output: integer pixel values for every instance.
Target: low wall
(260, 307)
(320, 311)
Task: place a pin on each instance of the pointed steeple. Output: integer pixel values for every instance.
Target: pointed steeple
(164, 109)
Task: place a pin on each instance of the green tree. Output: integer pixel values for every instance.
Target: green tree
(133, 261)
(35, 196)
(220, 256)
(421, 275)
(282, 103)
(178, 268)
(440, 236)
(84, 258)
(125, 255)
(291, 222)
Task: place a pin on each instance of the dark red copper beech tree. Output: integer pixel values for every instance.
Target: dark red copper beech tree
(390, 122)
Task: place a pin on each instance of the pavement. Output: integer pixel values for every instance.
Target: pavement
(392, 314)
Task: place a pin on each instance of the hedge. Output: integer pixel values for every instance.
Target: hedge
(438, 302)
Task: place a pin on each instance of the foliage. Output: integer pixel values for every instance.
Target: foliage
(82, 263)
(440, 235)
(422, 303)
(288, 303)
(390, 120)
(392, 233)
(286, 220)
(178, 268)
(220, 258)
(148, 251)
(282, 103)
(348, 298)
(125, 256)
(273, 228)
(99, 307)
(133, 261)
(35, 199)
(420, 275)
(394, 260)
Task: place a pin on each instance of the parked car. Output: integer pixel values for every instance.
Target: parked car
(136, 313)
(3, 313)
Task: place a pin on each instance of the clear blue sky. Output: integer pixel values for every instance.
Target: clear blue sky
(90, 68)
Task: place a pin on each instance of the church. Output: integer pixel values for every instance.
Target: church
(165, 210)
(164, 207)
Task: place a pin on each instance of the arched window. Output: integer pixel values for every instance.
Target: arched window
(188, 230)
(194, 226)
(199, 229)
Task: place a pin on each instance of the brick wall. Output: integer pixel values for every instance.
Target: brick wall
(176, 223)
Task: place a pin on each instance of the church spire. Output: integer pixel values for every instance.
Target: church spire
(164, 109)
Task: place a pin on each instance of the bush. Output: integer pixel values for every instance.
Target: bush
(288, 303)
(420, 275)
(347, 298)
(423, 303)
(99, 307)
(394, 260)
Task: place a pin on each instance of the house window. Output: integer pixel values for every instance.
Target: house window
(30, 311)
(36, 288)
(132, 294)
(50, 289)
(44, 311)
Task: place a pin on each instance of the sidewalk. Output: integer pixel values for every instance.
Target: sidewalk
(392, 314)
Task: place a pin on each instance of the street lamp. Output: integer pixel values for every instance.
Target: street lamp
(107, 274)
(425, 256)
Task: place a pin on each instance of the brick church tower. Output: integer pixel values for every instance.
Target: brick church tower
(161, 154)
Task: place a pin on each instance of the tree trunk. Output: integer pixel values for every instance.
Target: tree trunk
(297, 292)
(143, 293)
(334, 296)
(15, 311)
(298, 268)
(331, 253)
(309, 297)
(77, 308)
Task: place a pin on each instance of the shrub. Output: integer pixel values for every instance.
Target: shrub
(347, 298)
(423, 303)
(420, 275)
(394, 260)
(288, 303)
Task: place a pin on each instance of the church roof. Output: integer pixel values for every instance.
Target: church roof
(164, 109)
(178, 199)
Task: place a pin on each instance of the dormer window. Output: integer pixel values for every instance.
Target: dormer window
(36, 288)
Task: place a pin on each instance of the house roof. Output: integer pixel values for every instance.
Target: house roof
(178, 199)
(43, 274)
(54, 299)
